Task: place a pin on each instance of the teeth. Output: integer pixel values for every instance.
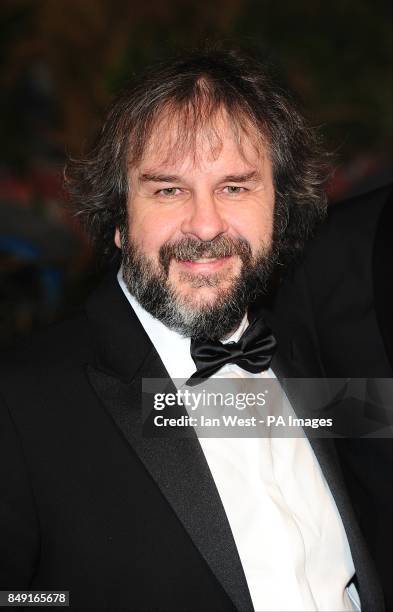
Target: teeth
(205, 259)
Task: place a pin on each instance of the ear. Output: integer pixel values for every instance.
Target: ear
(117, 238)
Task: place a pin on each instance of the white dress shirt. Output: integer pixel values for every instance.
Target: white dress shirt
(284, 520)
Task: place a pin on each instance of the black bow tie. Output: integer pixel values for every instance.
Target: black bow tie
(253, 352)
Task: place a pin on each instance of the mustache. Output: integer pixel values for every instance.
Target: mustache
(190, 249)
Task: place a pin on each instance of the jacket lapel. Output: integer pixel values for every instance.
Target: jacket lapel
(125, 356)
(298, 367)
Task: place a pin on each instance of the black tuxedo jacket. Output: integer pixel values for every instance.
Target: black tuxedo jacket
(120, 520)
(340, 299)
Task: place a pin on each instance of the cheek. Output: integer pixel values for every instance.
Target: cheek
(256, 226)
(149, 230)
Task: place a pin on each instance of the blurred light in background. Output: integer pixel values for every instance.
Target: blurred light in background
(62, 61)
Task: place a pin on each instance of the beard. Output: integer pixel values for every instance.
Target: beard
(216, 320)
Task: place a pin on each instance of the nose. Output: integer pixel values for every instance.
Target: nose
(204, 219)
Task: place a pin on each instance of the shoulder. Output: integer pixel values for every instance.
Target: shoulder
(350, 220)
(339, 292)
(346, 238)
(63, 346)
(366, 205)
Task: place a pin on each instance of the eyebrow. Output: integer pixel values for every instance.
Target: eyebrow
(171, 178)
(242, 178)
(159, 178)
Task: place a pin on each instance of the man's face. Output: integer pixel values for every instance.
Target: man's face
(199, 222)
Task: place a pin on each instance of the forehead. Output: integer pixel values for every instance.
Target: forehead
(215, 142)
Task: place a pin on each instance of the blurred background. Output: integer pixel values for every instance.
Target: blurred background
(63, 60)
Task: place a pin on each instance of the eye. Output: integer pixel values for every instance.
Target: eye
(234, 189)
(168, 192)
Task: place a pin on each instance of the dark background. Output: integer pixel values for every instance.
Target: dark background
(62, 61)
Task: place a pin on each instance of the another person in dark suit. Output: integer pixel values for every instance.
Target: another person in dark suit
(208, 180)
(342, 301)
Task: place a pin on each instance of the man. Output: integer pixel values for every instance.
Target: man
(208, 180)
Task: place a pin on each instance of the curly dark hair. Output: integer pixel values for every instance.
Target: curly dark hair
(191, 90)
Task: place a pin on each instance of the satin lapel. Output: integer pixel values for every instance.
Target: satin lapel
(180, 470)
(298, 368)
